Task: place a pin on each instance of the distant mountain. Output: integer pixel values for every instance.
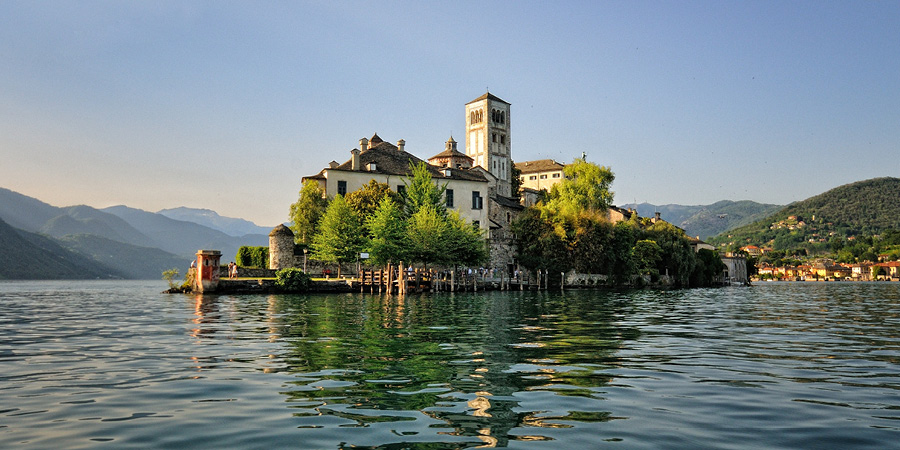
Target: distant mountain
(149, 263)
(30, 256)
(184, 238)
(708, 220)
(138, 241)
(863, 208)
(209, 218)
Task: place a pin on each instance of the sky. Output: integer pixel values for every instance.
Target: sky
(225, 105)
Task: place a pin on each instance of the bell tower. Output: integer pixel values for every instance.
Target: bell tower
(488, 139)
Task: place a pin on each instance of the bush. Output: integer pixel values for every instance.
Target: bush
(292, 280)
(248, 256)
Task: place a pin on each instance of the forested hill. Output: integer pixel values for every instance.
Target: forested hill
(864, 208)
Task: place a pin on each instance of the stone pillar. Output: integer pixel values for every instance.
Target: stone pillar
(207, 275)
(281, 248)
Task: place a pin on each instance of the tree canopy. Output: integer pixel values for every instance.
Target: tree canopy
(306, 212)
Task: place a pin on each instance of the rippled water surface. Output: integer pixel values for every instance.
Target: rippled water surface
(118, 365)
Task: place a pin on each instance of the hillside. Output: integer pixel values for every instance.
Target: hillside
(184, 238)
(209, 218)
(708, 220)
(30, 256)
(148, 266)
(853, 210)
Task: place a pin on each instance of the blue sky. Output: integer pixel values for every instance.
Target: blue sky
(226, 105)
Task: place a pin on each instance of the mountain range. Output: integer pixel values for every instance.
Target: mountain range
(115, 242)
(705, 221)
(848, 212)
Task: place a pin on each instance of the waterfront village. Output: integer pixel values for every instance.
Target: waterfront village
(824, 269)
(486, 189)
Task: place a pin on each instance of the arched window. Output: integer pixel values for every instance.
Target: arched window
(472, 117)
(502, 116)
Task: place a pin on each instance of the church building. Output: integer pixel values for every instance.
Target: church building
(478, 183)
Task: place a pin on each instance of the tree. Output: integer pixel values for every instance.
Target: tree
(465, 243)
(677, 257)
(387, 232)
(366, 199)
(307, 211)
(646, 254)
(421, 191)
(515, 181)
(708, 269)
(425, 233)
(586, 187)
(340, 237)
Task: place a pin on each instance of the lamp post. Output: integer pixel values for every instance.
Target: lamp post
(305, 251)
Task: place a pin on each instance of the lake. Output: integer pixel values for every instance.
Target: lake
(116, 364)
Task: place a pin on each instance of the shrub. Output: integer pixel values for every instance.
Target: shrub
(292, 280)
(248, 256)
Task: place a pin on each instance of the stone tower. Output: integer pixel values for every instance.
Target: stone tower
(281, 248)
(488, 139)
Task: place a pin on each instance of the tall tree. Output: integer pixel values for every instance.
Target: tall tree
(586, 187)
(421, 191)
(366, 199)
(341, 236)
(426, 233)
(465, 243)
(387, 231)
(307, 211)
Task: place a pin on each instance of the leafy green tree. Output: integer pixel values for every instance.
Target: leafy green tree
(708, 269)
(541, 243)
(586, 187)
(426, 232)
(677, 257)
(465, 243)
(387, 231)
(366, 199)
(341, 235)
(621, 266)
(593, 242)
(421, 191)
(515, 182)
(307, 211)
(646, 254)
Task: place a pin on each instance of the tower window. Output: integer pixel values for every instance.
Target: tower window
(502, 139)
(493, 137)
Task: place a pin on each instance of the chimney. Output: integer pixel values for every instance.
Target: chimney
(333, 164)
(400, 144)
(354, 158)
(363, 144)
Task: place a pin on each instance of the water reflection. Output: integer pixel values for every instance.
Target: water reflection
(474, 365)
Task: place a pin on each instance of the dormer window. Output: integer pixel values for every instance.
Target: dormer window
(371, 167)
(448, 172)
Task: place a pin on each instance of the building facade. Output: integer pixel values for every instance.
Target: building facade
(540, 174)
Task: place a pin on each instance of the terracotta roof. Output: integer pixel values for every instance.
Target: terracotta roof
(540, 165)
(390, 160)
(489, 96)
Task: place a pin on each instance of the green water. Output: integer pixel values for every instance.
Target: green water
(792, 365)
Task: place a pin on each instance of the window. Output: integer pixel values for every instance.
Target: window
(449, 196)
(556, 175)
(493, 137)
(502, 139)
(543, 177)
(342, 187)
(401, 189)
(533, 177)
(477, 201)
